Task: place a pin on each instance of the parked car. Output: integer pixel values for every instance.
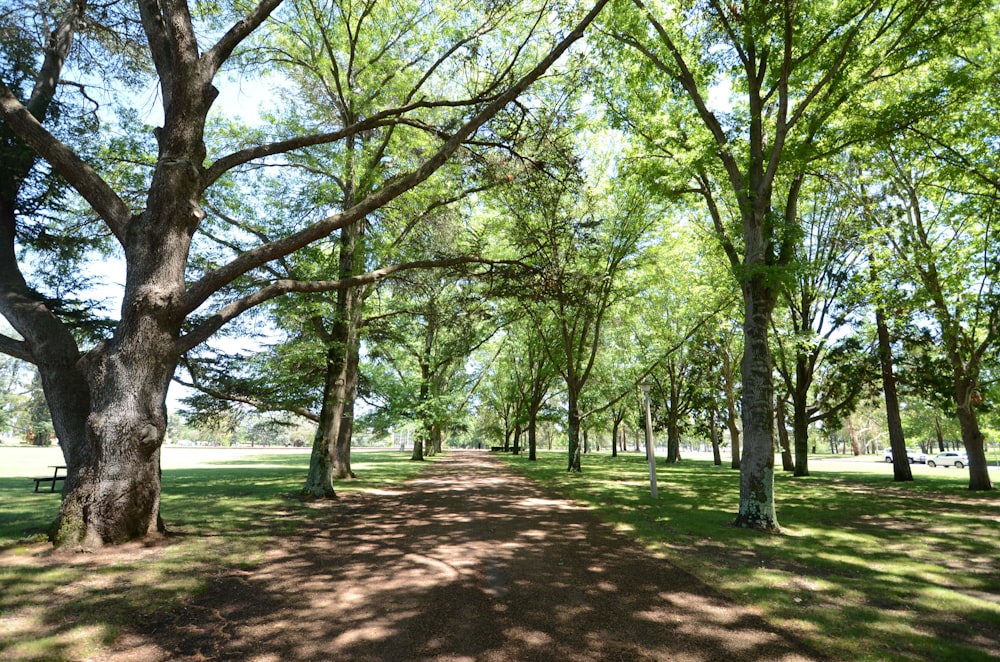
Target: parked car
(912, 455)
(949, 459)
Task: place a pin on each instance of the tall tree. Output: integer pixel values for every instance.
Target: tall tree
(415, 332)
(583, 240)
(109, 400)
(942, 236)
(819, 358)
(791, 67)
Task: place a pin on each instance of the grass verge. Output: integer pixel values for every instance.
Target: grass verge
(220, 513)
(866, 569)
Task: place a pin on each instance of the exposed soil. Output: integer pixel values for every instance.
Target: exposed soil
(467, 561)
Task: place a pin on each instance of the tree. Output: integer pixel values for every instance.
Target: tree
(108, 401)
(412, 332)
(819, 358)
(941, 237)
(791, 68)
(583, 237)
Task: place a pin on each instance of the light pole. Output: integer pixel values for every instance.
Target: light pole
(650, 455)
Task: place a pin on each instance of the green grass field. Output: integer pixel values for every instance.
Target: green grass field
(220, 506)
(866, 569)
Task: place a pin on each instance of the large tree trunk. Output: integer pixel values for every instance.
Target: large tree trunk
(114, 493)
(418, 449)
(319, 480)
(972, 437)
(757, 509)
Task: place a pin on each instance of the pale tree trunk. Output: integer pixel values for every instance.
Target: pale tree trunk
(757, 509)
(713, 427)
(573, 416)
(855, 446)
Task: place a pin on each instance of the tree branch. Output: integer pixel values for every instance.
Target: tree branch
(212, 282)
(218, 54)
(260, 405)
(286, 286)
(16, 348)
(111, 208)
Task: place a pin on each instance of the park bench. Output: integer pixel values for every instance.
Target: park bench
(54, 478)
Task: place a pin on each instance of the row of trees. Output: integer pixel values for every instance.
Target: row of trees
(447, 208)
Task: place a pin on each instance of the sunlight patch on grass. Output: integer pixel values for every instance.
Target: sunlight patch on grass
(220, 515)
(866, 568)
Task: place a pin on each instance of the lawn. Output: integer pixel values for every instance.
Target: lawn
(866, 569)
(221, 506)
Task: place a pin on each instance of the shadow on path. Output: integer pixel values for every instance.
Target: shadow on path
(467, 561)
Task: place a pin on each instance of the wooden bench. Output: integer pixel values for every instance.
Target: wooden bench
(54, 478)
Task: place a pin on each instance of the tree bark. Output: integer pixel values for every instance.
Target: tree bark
(800, 416)
(713, 428)
(901, 470)
(972, 438)
(573, 416)
(757, 509)
(787, 464)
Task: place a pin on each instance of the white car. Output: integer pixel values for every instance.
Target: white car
(911, 455)
(949, 459)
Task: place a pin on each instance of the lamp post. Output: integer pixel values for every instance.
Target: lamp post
(650, 455)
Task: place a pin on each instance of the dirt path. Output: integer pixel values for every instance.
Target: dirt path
(468, 561)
